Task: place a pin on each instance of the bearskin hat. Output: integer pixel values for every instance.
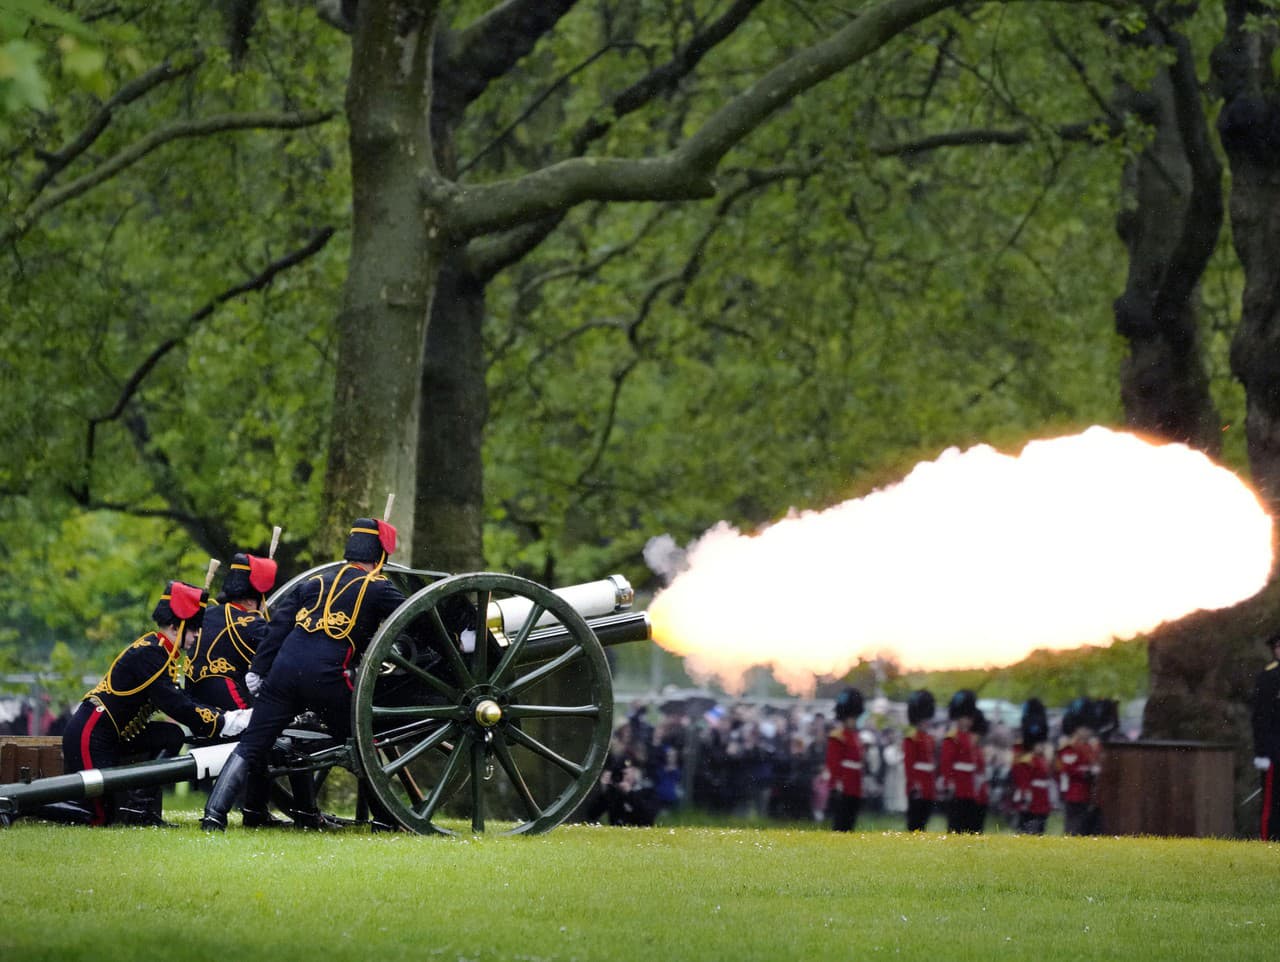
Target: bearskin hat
(920, 706)
(964, 704)
(1035, 723)
(848, 704)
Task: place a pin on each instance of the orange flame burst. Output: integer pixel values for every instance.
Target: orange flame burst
(973, 560)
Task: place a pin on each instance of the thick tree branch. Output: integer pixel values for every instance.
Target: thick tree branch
(134, 382)
(141, 148)
(489, 47)
(980, 137)
(1203, 221)
(57, 161)
(686, 173)
(664, 77)
(487, 259)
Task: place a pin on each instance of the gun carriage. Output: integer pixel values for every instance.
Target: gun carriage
(506, 729)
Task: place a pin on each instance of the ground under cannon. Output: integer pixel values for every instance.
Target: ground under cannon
(508, 732)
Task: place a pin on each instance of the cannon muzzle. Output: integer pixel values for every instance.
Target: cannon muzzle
(25, 797)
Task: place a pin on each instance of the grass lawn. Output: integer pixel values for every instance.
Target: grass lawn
(600, 893)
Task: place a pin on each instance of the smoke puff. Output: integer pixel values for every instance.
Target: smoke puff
(975, 559)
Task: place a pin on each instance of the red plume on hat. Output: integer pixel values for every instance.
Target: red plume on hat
(387, 536)
(262, 573)
(180, 602)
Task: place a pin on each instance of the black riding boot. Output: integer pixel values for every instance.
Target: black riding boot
(256, 810)
(67, 813)
(235, 771)
(305, 812)
(145, 806)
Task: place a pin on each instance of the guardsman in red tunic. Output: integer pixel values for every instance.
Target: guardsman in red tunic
(1266, 740)
(920, 759)
(844, 762)
(1030, 774)
(113, 723)
(1077, 766)
(963, 770)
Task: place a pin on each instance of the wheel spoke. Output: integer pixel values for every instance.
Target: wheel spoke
(432, 802)
(431, 741)
(422, 674)
(450, 649)
(403, 733)
(513, 712)
(449, 712)
(535, 746)
(517, 644)
(477, 785)
(481, 657)
(508, 763)
(542, 671)
(411, 788)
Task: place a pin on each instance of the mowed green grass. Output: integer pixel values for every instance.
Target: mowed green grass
(600, 893)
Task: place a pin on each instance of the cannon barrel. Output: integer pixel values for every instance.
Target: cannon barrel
(25, 797)
(547, 643)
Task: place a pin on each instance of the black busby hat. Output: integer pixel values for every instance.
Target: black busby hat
(964, 704)
(980, 724)
(920, 706)
(180, 602)
(248, 577)
(1035, 723)
(1077, 714)
(848, 704)
(1103, 717)
(371, 541)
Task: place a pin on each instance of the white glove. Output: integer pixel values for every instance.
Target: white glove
(1262, 763)
(236, 721)
(468, 639)
(253, 682)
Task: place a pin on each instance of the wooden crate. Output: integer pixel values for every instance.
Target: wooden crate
(1169, 788)
(24, 757)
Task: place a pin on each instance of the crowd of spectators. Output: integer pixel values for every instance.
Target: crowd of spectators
(757, 761)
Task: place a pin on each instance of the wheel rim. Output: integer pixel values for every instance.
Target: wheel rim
(430, 719)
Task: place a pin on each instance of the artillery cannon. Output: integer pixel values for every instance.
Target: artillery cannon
(531, 700)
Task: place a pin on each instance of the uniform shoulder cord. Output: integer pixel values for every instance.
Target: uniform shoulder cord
(327, 621)
(108, 688)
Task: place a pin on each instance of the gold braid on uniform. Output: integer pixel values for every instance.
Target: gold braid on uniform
(338, 624)
(145, 711)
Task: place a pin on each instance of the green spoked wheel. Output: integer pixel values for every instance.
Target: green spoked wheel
(435, 714)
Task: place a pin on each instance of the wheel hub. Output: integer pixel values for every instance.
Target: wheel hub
(487, 713)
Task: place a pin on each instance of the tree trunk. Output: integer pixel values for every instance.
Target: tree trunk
(455, 406)
(1249, 126)
(1202, 667)
(1170, 229)
(394, 258)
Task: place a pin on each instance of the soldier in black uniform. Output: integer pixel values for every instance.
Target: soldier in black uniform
(306, 662)
(113, 723)
(233, 630)
(1266, 739)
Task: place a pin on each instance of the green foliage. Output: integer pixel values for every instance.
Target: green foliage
(1115, 671)
(593, 893)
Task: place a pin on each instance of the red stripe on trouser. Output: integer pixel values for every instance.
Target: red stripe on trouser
(235, 693)
(86, 761)
(1266, 803)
